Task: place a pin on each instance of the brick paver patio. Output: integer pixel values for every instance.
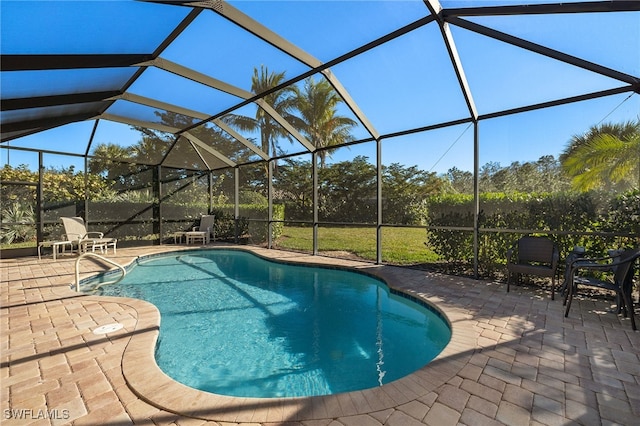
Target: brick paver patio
(513, 359)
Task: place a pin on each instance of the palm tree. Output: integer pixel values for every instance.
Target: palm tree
(105, 161)
(280, 100)
(607, 154)
(319, 120)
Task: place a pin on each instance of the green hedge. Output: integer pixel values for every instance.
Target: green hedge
(557, 212)
(252, 223)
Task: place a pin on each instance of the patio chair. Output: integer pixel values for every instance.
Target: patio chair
(620, 264)
(537, 256)
(203, 232)
(76, 232)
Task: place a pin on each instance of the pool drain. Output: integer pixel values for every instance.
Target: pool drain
(109, 328)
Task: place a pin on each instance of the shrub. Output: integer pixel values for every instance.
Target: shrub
(251, 224)
(570, 216)
(21, 224)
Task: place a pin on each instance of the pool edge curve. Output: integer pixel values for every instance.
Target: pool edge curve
(151, 384)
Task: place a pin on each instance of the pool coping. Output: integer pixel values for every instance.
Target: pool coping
(152, 385)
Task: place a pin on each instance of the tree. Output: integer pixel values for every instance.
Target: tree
(280, 100)
(405, 191)
(552, 176)
(107, 161)
(605, 157)
(543, 175)
(487, 176)
(293, 187)
(461, 181)
(319, 121)
(347, 191)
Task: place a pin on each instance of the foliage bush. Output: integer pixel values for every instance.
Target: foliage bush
(20, 227)
(624, 215)
(57, 185)
(251, 224)
(569, 217)
(347, 193)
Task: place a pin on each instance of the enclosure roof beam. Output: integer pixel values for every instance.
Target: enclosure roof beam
(191, 113)
(191, 16)
(167, 129)
(348, 100)
(228, 88)
(234, 15)
(194, 146)
(237, 17)
(139, 123)
(241, 139)
(198, 77)
(564, 101)
(542, 50)
(197, 143)
(436, 10)
(153, 103)
(57, 62)
(551, 8)
(284, 123)
(46, 123)
(291, 49)
(55, 100)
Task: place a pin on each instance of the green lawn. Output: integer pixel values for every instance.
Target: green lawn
(403, 246)
(400, 246)
(26, 244)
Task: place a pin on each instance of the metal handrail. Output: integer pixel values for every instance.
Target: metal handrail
(104, 259)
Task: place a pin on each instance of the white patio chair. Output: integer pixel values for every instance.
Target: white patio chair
(76, 232)
(202, 232)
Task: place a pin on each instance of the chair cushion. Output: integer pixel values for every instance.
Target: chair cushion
(594, 282)
(523, 268)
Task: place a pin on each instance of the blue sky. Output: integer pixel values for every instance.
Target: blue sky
(404, 84)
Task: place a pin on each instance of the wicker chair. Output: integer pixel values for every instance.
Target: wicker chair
(537, 256)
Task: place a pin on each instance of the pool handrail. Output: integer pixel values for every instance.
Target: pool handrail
(104, 259)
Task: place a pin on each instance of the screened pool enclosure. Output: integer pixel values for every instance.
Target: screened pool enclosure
(408, 132)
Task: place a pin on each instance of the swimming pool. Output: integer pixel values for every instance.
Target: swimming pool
(235, 324)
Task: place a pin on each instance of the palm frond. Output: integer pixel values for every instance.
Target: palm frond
(603, 159)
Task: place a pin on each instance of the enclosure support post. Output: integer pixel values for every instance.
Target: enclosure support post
(210, 192)
(270, 204)
(86, 173)
(314, 177)
(39, 199)
(379, 201)
(85, 201)
(476, 197)
(236, 203)
(157, 205)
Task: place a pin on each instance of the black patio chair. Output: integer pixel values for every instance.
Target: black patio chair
(620, 264)
(533, 256)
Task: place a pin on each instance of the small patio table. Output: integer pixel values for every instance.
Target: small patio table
(194, 236)
(56, 246)
(102, 244)
(177, 236)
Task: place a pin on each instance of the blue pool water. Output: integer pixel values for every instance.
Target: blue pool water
(235, 324)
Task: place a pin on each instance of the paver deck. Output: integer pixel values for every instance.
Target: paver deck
(513, 359)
